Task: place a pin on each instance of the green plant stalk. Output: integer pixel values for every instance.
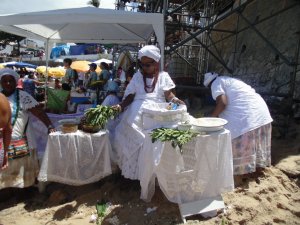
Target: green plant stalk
(100, 115)
(177, 137)
(101, 208)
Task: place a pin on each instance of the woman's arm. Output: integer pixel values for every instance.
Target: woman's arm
(170, 97)
(126, 102)
(42, 116)
(6, 141)
(221, 105)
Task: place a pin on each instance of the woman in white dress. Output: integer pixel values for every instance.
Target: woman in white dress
(249, 121)
(148, 86)
(23, 163)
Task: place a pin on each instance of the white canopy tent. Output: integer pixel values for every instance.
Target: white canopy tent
(86, 25)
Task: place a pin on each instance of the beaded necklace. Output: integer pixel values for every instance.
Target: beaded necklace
(152, 86)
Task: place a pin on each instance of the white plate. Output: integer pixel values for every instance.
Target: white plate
(208, 124)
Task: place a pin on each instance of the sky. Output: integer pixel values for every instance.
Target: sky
(18, 6)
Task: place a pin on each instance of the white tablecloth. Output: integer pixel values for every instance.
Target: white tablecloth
(204, 170)
(41, 131)
(76, 158)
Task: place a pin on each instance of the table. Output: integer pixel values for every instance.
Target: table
(41, 131)
(194, 179)
(76, 158)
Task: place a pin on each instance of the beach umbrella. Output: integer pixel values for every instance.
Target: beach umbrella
(59, 60)
(41, 69)
(57, 72)
(20, 64)
(30, 69)
(83, 66)
(103, 60)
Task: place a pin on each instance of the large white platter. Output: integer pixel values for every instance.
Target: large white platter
(208, 124)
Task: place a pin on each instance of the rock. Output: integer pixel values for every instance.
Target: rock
(290, 166)
(149, 210)
(57, 197)
(93, 218)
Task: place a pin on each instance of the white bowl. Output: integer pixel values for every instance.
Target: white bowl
(184, 126)
(208, 124)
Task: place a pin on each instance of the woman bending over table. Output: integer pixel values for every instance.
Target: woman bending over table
(23, 164)
(249, 121)
(149, 85)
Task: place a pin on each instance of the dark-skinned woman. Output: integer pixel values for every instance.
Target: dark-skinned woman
(23, 163)
(249, 122)
(148, 86)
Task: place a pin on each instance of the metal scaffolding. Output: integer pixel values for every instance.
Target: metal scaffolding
(190, 25)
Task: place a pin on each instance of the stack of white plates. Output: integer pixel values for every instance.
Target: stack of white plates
(208, 124)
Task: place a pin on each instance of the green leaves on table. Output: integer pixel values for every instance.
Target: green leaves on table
(99, 116)
(177, 137)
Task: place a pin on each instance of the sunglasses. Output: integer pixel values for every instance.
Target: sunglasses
(147, 65)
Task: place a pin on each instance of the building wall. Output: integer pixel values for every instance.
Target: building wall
(251, 59)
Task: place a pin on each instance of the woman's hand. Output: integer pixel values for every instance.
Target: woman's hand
(178, 101)
(51, 129)
(170, 97)
(5, 162)
(117, 107)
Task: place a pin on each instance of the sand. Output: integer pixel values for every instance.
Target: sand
(271, 197)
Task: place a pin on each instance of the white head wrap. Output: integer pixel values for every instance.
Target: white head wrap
(150, 51)
(7, 71)
(208, 77)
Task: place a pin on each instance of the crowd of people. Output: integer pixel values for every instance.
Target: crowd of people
(248, 117)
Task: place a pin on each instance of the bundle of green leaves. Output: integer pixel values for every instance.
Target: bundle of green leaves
(99, 116)
(177, 137)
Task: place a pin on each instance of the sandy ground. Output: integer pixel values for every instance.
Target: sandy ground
(272, 197)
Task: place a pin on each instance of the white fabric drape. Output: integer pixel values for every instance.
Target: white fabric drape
(203, 170)
(76, 158)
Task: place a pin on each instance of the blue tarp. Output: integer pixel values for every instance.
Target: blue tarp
(85, 49)
(59, 50)
(77, 50)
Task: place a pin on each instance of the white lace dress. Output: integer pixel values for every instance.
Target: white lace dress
(21, 172)
(127, 138)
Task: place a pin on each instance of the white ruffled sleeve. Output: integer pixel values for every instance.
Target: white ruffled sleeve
(27, 101)
(133, 84)
(218, 88)
(166, 83)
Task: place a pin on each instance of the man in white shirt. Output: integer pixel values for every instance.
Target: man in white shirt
(249, 121)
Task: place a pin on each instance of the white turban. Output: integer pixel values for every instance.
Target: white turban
(7, 71)
(208, 77)
(150, 51)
